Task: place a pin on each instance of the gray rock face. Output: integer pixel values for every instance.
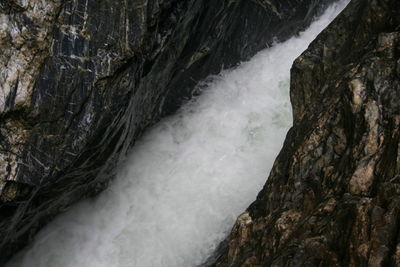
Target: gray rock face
(333, 196)
(81, 79)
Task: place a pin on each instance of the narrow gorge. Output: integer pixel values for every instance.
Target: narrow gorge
(163, 122)
(81, 80)
(188, 178)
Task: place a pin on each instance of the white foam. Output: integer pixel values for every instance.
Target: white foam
(187, 180)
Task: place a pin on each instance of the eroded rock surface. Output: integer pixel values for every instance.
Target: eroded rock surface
(333, 196)
(81, 79)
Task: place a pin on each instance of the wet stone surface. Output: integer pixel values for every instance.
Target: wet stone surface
(332, 198)
(80, 80)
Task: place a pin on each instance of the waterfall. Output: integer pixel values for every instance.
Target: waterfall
(178, 193)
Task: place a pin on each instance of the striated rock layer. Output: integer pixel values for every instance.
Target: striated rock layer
(333, 196)
(81, 79)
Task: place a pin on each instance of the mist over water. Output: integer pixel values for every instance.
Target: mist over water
(185, 182)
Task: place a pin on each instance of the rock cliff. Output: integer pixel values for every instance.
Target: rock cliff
(333, 196)
(81, 79)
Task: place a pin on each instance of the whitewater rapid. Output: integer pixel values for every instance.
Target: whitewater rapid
(182, 187)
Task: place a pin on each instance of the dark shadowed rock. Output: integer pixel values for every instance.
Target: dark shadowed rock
(333, 196)
(81, 79)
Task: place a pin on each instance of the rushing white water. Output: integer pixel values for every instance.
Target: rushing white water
(189, 177)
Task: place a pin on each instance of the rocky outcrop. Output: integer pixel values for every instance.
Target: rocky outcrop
(333, 196)
(80, 80)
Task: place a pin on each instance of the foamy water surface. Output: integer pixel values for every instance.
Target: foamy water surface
(185, 182)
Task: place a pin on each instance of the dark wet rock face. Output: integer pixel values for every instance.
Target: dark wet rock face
(333, 196)
(80, 80)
